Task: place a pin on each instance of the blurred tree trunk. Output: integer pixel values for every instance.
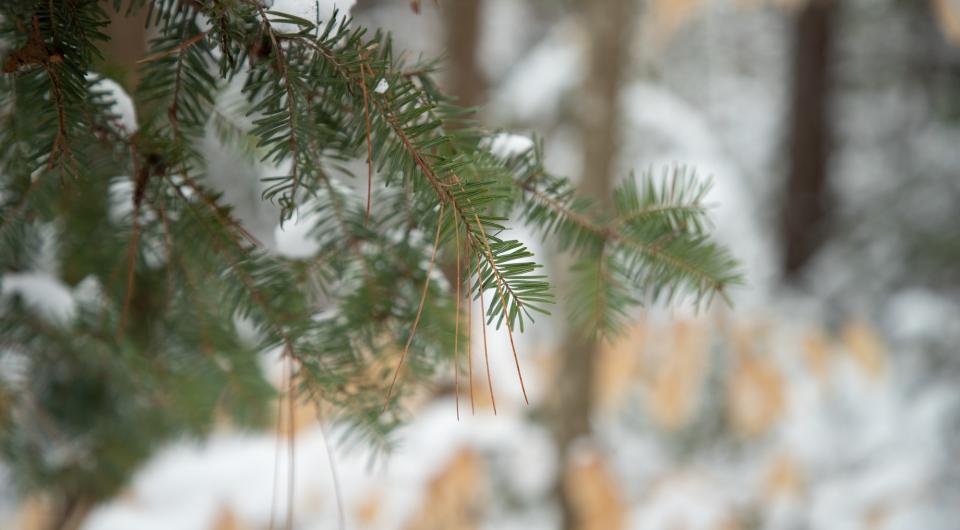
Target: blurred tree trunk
(127, 45)
(609, 23)
(937, 64)
(465, 79)
(807, 202)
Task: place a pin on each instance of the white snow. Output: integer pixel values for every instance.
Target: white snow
(122, 103)
(293, 236)
(920, 314)
(121, 199)
(382, 86)
(187, 484)
(506, 29)
(506, 145)
(689, 501)
(88, 291)
(663, 131)
(534, 89)
(312, 10)
(41, 291)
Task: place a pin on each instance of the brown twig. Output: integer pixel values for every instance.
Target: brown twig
(611, 234)
(33, 52)
(282, 67)
(366, 116)
(225, 220)
(582, 220)
(439, 187)
(139, 188)
(176, 49)
(175, 97)
(60, 146)
(446, 195)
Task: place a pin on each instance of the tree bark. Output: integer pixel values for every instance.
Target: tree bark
(127, 45)
(465, 79)
(610, 26)
(807, 203)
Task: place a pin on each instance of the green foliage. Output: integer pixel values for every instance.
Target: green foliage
(653, 245)
(187, 301)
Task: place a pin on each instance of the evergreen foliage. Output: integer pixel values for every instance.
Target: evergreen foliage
(161, 343)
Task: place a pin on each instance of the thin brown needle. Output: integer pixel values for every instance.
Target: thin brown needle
(500, 282)
(423, 299)
(473, 408)
(486, 356)
(456, 329)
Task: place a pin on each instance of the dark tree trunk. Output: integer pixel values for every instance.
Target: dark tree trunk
(465, 79)
(610, 25)
(127, 45)
(807, 202)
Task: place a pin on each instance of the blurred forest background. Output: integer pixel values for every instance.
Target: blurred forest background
(824, 397)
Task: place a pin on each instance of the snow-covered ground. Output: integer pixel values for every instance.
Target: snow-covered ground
(779, 423)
